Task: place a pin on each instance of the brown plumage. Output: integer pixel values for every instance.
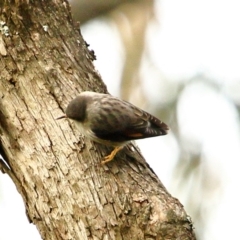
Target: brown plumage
(111, 121)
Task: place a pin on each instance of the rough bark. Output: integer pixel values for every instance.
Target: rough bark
(67, 193)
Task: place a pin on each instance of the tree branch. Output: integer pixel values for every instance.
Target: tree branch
(67, 193)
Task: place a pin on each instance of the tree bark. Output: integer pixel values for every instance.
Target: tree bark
(44, 64)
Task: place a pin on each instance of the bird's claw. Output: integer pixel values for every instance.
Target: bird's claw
(110, 157)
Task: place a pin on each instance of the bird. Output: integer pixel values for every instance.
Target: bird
(111, 121)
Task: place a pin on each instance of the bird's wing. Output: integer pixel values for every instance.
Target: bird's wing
(116, 120)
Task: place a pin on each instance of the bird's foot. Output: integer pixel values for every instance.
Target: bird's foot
(110, 157)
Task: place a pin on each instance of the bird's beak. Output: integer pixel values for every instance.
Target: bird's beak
(64, 116)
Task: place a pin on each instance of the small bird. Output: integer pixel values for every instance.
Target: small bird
(111, 121)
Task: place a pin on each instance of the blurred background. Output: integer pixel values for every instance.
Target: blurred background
(179, 60)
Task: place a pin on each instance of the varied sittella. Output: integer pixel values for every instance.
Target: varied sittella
(111, 121)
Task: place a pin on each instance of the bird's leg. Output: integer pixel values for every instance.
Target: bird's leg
(110, 157)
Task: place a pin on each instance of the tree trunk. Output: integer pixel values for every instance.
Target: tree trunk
(44, 64)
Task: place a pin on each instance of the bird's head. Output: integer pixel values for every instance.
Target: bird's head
(76, 109)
